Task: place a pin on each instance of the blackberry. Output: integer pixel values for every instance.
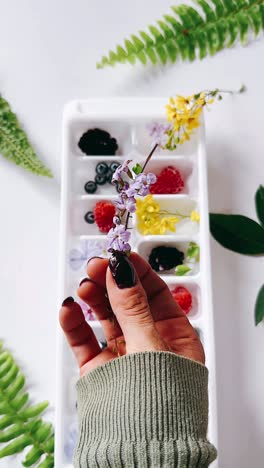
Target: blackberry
(97, 142)
(89, 217)
(90, 187)
(100, 179)
(102, 168)
(163, 258)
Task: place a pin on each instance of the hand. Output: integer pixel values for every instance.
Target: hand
(144, 317)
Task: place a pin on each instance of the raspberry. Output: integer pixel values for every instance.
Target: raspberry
(104, 212)
(183, 298)
(164, 258)
(168, 181)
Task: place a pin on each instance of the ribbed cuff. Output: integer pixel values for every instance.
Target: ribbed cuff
(144, 410)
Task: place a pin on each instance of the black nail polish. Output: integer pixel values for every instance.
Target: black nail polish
(122, 269)
(84, 280)
(101, 258)
(69, 300)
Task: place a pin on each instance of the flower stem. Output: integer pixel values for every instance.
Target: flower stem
(127, 220)
(165, 212)
(149, 156)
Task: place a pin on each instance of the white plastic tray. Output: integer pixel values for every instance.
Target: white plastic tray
(126, 120)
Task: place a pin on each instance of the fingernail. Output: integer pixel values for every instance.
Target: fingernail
(84, 280)
(101, 258)
(122, 270)
(69, 300)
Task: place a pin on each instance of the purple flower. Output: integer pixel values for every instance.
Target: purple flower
(131, 204)
(142, 183)
(116, 220)
(159, 133)
(118, 238)
(117, 176)
(87, 249)
(87, 311)
(125, 202)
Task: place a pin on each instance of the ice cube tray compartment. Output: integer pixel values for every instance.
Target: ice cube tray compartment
(126, 120)
(145, 247)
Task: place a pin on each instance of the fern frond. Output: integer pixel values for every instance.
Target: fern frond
(20, 424)
(14, 143)
(191, 32)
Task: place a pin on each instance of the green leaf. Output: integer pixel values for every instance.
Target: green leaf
(259, 202)
(33, 411)
(20, 424)
(14, 143)
(237, 233)
(193, 251)
(16, 446)
(48, 462)
(182, 270)
(43, 432)
(137, 169)
(12, 433)
(259, 306)
(187, 29)
(32, 456)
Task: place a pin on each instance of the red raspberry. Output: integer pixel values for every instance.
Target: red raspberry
(183, 298)
(168, 181)
(104, 212)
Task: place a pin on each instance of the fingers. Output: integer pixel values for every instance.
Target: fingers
(96, 270)
(130, 305)
(78, 333)
(157, 291)
(95, 296)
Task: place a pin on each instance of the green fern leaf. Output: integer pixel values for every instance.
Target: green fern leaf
(47, 463)
(32, 456)
(14, 144)
(192, 31)
(20, 425)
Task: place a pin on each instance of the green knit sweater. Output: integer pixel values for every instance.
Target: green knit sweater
(144, 410)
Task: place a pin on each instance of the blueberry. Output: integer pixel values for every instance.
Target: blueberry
(89, 217)
(109, 177)
(114, 165)
(100, 179)
(101, 168)
(90, 187)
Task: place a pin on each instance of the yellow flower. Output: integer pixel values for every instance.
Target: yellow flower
(149, 219)
(168, 224)
(195, 217)
(147, 211)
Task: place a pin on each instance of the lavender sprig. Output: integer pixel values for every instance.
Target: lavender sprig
(129, 185)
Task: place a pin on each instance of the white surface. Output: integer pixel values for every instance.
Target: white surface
(48, 52)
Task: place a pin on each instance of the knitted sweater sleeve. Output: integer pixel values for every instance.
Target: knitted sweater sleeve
(144, 410)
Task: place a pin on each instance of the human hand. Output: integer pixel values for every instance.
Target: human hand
(143, 317)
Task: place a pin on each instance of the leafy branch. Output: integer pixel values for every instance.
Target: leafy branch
(21, 425)
(190, 32)
(245, 236)
(14, 143)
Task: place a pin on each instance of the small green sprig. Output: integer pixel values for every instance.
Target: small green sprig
(192, 257)
(20, 424)
(14, 143)
(245, 236)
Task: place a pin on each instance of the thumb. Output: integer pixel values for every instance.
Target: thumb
(130, 305)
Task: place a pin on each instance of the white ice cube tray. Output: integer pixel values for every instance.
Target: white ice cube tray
(126, 120)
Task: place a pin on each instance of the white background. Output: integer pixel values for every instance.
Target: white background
(48, 51)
